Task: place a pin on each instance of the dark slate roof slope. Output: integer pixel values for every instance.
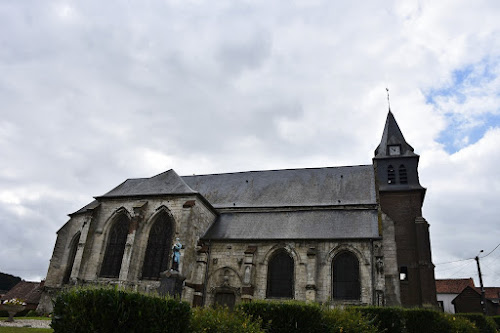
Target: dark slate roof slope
(167, 182)
(93, 205)
(351, 185)
(310, 224)
(392, 136)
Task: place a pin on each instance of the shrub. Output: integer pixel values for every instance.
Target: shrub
(432, 321)
(221, 320)
(496, 319)
(111, 310)
(386, 319)
(461, 325)
(483, 323)
(32, 313)
(425, 321)
(286, 316)
(348, 321)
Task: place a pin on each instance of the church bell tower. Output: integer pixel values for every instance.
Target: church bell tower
(401, 198)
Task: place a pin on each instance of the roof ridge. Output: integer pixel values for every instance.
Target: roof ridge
(277, 170)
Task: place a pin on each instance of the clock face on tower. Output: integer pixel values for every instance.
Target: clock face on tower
(394, 150)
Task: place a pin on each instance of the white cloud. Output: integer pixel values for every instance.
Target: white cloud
(96, 92)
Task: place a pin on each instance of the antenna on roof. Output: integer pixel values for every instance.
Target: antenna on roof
(388, 100)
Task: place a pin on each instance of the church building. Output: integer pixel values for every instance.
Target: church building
(351, 235)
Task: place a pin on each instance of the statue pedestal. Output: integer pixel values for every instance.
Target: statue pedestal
(171, 283)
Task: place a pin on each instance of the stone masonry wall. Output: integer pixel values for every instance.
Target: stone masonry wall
(191, 218)
(233, 266)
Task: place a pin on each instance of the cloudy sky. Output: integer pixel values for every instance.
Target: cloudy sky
(95, 92)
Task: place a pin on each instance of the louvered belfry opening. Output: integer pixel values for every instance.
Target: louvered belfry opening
(116, 247)
(71, 257)
(280, 275)
(159, 246)
(391, 175)
(346, 277)
(403, 176)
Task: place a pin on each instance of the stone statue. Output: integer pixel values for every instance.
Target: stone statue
(176, 258)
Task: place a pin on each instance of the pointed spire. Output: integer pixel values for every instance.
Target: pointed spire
(392, 136)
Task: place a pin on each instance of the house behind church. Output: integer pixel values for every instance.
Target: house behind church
(345, 235)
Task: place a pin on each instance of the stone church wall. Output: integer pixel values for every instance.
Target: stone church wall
(191, 218)
(241, 267)
(60, 257)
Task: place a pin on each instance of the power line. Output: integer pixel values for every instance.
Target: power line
(452, 262)
(454, 267)
(460, 269)
(496, 247)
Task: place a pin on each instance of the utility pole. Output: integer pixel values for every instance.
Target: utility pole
(483, 298)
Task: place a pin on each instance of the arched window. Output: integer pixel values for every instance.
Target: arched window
(116, 247)
(391, 175)
(158, 250)
(280, 275)
(71, 258)
(403, 177)
(346, 276)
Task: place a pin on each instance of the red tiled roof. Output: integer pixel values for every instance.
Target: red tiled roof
(29, 292)
(453, 286)
(491, 292)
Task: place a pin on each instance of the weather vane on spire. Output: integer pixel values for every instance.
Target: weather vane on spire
(388, 100)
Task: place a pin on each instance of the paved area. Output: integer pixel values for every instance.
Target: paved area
(35, 323)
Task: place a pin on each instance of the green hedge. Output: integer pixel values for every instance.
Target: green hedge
(417, 320)
(347, 321)
(286, 316)
(496, 319)
(462, 325)
(485, 324)
(222, 320)
(432, 321)
(111, 310)
(295, 316)
(425, 320)
(386, 319)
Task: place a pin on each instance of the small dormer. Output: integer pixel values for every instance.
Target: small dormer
(395, 161)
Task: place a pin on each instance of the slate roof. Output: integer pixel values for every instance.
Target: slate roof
(167, 182)
(453, 286)
(350, 185)
(93, 205)
(315, 224)
(392, 136)
(29, 292)
(273, 188)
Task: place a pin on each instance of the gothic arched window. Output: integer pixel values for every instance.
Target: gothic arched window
(391, 175)
(158, 250)
(346, 276)
(71, 257)
(403, 176)
(113, 256)
(280, 275)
